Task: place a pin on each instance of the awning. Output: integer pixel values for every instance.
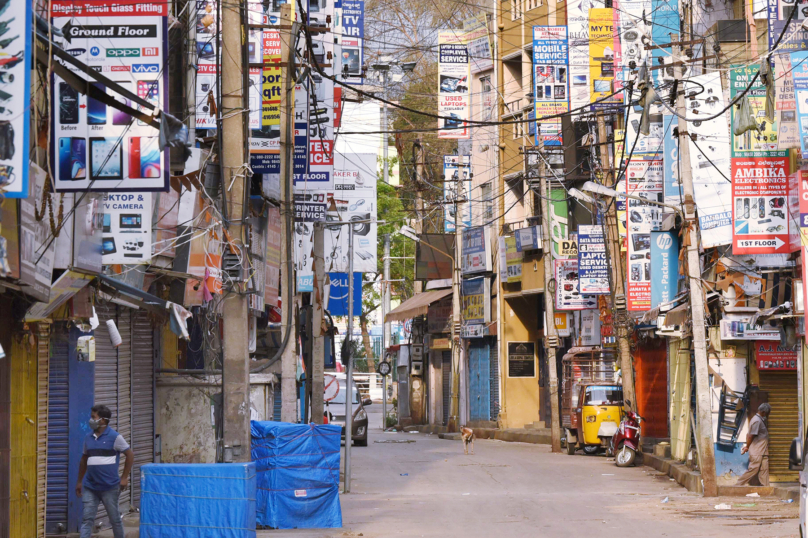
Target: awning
(677, 316)
(417, 305)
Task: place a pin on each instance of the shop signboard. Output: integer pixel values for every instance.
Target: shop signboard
(456, 169)
(476, 257)
(528, 238)
(578, 28)
(601, 58)
(126, 235)
(513, 260)
(352, 41)
(567, 294)
(593, 266)
(562, 324)
(551, 80)
(521, 359)
(454, 82)
(775, 356)
(479, 42)
(338, 294)
(765, 138)
(439, 316)
(94, 146)
(644, 180)
(739, 329)
(664, 267)
(476, 300)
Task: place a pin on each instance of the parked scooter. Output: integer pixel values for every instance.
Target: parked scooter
(626, 441)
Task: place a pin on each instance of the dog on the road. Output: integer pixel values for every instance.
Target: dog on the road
(467, 434)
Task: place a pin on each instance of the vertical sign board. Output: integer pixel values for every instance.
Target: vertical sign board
(672, 186)
(16, 96)
(338, 294)
(601, 58)
(476, 301)
(765, 139)
(96, 147)
(36, 255)
(664, 22)
(551, 78)
(273, 260)
(352, 42)
(568, 295)
(760, 205)
(578, 27)
(455, 170)
(788, 135)
(799, 74)
(476, 256)
(664, 267)
(557, 211)
(513, 261)
(521, 359)
(479, 42)
(453, 85)
(593, 267)
(644, 179)
(126, 232)
(271, 78)
(710, 161)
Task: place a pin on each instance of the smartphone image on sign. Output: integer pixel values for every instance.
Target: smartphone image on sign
(68, 104)
(107, 227)
(96, 110)
(118, 117)
(78, 158)
(144, 157)
(150, 91)
(64, 159)
(106, 158)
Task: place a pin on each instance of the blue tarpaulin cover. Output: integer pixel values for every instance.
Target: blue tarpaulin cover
(186, 500)
(298, 475)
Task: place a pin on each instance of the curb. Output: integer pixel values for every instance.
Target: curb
(684, 476)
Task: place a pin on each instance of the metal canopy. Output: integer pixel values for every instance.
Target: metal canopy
(417, 305)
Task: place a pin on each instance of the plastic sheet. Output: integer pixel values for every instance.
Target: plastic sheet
(298, 475)
(198, 500)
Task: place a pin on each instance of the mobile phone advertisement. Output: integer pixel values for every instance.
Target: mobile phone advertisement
(95, 145)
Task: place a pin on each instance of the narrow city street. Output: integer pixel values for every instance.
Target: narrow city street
(412, 484)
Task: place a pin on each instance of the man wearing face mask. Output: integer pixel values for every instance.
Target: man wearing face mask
(98, 471)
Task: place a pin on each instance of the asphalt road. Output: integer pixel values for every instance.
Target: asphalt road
(407, 484)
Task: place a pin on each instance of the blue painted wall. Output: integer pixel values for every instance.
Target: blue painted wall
(81, 377)
(730, 462)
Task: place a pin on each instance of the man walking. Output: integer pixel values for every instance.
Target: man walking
(757, 444)
(98, 471)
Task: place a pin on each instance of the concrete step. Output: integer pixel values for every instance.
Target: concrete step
(680, 472)
(538, 425)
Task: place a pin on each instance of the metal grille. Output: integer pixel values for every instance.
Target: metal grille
(142, 397)
(493, 363)
(58, 440)
(124, 414)
(276, 401)
(446, 367)
(783, 422)
(106, 378)
(43, 358)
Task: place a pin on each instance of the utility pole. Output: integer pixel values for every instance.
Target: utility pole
(385, 324)
(349, 368)
(318, 335)
(236, 360)
(704, 416)
(616, 257)
(288, 361)
(419, 200)
(454, 410)
(550, 335)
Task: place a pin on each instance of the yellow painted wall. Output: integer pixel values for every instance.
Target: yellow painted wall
(23, 502)
(679, 379)
(522, 396)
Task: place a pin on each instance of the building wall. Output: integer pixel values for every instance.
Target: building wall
(23, 499)
(521, 401)
(679, 382)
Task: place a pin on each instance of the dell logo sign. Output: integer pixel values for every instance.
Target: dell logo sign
(664, 241)
(145, 68)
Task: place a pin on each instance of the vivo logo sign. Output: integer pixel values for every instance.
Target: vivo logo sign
(145, 68)
(664, 241)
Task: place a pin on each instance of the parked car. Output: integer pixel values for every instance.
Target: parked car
(336, 413)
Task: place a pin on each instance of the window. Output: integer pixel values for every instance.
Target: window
(488, 201)
(517, 7)
(488, 101)
(533, 4)
(518, 127)
(604, 395)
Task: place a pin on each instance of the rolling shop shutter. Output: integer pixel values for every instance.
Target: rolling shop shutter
(142, 397)
(276, 402)
(43, 358)
(783, 422)
(446, 367)
(479, 381)
(493, 363)
(124, 422)
(58, 439)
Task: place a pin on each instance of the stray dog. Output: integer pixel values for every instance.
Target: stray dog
(467, 435)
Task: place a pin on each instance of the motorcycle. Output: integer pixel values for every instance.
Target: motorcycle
(625, 444)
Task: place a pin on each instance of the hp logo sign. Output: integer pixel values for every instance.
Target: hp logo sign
(664, 241)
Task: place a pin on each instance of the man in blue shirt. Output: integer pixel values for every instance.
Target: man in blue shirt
(98, 471)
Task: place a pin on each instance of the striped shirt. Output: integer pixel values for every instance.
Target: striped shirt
(103, 454)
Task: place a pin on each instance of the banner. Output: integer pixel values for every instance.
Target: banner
(710, 160)
(513, 261)
(271, 79)
(456, 170)
(765, 139)
(16, 61)
(672, 186)
(567, 295)
(593, 266)
(476, 257)
(453, 85)
(551, 79)
(126, 234)
(352, 42)
(479, 42)
(338, 294)
(760, 205)
(664, 267)
(578, 27)
(785, 106)
(37, 253)
(664, 22)
(557, 212)
(601, 58)
(96, 147)
(799, 73)
(644, 179)
(475, 300)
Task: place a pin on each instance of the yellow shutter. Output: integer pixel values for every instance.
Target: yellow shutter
(783, 421)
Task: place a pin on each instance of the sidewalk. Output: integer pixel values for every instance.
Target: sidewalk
(537, 434)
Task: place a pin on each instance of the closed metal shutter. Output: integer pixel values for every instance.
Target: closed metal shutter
(446, 366)
(783, 422)
(124, 422)
(493, 363)
(106, 378)
(58, 440)
(479, 382)
(276, 402)
(43, 358)
(142, 397)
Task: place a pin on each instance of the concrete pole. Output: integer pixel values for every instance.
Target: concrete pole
(235, 369)
(616, 257)
(385, 324)
(454, 409)
(317, 322)
(288, 359)
(349, 369)
(704, 416)
(550, 334)
(385, 136)
(419, 200)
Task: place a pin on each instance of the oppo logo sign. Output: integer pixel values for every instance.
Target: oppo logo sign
(123, 53)
(664, 241)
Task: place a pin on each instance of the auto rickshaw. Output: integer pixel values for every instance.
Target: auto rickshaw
(591, 399)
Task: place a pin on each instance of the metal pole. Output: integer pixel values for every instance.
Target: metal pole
(236, 360)
(704, 424)
(349, 370)
(384, 128)
(550, 333)
(385, 324)
(454, 420)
